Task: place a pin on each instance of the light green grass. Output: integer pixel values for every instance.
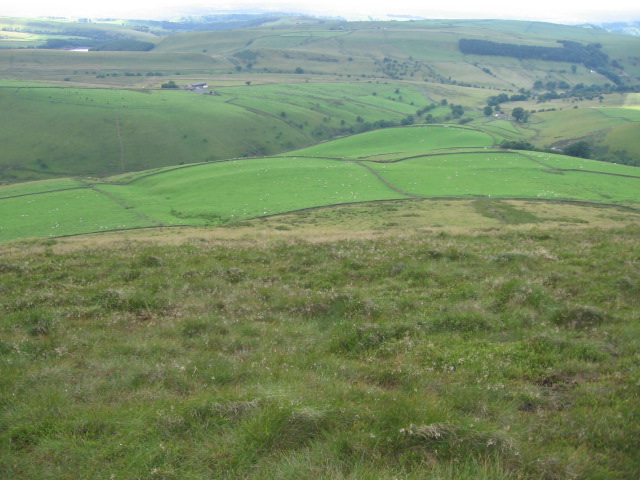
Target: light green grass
(573, 123)
(116, 131)
(28, 188)
(507, 175)
(111, 131)
(424, 163)
(565, 162)
(236, 190)
(61, 213)
(405, 141)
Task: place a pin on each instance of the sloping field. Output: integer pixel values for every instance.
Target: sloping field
(108, 131)
(28, 188)
(115, 131)
(404, 142)
(407, 162)
(66, 212)
(240, 189)
(39, 65)
(207, 194)
(576, 123)
(485, 354)
(506, 175)
(425, 49)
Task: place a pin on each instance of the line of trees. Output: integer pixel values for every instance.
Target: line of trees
(572, 52)
(591, 55)
(581, 148)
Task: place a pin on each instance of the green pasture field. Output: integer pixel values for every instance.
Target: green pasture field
(404, 142)
(50, 185)
(223, 192)
(207, 194)
(506, 175)
(576, 123)
(624, 138)
(426, 47)
(209, 42)
(84, 67)
(503, 128)
(574, 163)
(240, 189)
(327, 105)
(65, 212)
(632, 100)
(631, 114)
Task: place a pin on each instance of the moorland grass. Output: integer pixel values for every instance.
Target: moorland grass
(487, 354)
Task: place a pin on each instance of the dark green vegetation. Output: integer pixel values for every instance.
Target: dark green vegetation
(591, 55)
(495, 354)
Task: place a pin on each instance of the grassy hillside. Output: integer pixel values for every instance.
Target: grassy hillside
(287, 85)
(396, 163)
(16, 33)
(279, 286)
(369, 352)
(109, 131)
(426, 50)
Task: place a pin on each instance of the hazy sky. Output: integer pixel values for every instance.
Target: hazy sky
(544, 10)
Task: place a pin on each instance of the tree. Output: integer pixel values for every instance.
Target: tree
(299, 70)
(580, 149)
(456, 110)
(169, 84)
(408, 120)
(520, 114)
(488, 111)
